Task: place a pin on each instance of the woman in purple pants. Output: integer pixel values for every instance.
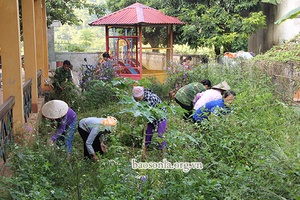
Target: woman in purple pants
(141, 94)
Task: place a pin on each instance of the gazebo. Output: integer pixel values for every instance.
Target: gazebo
(123, 32)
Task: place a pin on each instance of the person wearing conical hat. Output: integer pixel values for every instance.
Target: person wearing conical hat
(214, 93)
(92, 131)
(218, 107)
(66, 117)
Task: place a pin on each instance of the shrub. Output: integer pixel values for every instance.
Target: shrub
(251, 154)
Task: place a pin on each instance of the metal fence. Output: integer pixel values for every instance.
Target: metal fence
(6, 118)
(6, 127)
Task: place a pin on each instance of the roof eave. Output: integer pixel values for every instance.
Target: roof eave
(136, 24)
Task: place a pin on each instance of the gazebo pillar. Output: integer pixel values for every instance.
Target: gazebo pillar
(169, 45)
(106, 38)
(141, 50)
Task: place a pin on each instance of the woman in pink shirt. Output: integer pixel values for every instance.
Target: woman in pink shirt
(209, 95)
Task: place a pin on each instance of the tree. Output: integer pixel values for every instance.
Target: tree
(63, 10)
(220, 24)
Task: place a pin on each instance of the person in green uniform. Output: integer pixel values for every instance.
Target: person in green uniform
(62, 74)
(186, 94)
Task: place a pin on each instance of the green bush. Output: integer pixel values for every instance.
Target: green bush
(251, 154)
(98, 93)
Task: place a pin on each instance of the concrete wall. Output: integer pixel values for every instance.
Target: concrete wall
(266, 38)
(153, 61)
(77, 59)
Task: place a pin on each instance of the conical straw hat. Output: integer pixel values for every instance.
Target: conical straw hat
(222, 86)
(55, 109)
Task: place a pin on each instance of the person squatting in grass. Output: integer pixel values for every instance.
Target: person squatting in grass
(217, 107)
(62, 74)
(141, 94)
(59, 111)
(186, 94)
(93, 131)
(214, 93)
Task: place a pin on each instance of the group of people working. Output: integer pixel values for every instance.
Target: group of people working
(92, 129)
(64, 73)
(199, 99)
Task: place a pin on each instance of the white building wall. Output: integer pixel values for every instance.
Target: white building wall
(289, 28)
(265, 39)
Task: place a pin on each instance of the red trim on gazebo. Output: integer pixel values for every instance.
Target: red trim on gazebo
(137, 14)
(134, 17)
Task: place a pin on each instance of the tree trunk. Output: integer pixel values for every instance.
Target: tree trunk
(154, 44)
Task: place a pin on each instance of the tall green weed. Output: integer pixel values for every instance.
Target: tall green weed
(252, 153)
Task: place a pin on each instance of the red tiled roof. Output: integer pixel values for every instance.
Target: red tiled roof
(136, 14)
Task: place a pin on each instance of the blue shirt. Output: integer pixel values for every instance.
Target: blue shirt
(215, 106)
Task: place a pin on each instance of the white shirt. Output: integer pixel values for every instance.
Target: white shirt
(207, 96)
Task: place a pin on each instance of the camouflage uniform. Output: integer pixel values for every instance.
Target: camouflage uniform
(61, 75)
(186, 94)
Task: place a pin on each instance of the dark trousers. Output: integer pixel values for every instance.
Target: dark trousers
(96, 144)
(189, 109)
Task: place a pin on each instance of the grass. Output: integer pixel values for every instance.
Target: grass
(251, 154)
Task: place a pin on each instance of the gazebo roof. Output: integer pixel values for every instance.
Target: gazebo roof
(136, 14)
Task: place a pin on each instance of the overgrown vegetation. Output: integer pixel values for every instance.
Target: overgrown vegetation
(282, 64)
(251, 154)
(289, 51)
